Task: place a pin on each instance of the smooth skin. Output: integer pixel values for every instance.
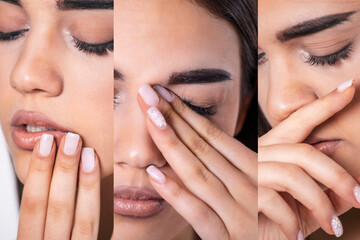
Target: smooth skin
(211, 166)
(48, 200)
(286, 165)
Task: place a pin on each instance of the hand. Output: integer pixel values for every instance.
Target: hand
(291, 204)
(47, 205)
(219, 173)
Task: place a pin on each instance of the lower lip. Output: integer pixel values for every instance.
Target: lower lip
(26, 140)
(327, 147)
(138, 208)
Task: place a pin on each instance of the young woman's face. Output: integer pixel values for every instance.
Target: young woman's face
(306, 49)
(51, 76)
(155, 40)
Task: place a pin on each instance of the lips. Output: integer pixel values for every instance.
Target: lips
(326, 146)
(137, 202)
(28, 127)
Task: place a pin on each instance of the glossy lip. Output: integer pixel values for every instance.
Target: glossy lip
(137, 202)
(326, 146)
(26, 140)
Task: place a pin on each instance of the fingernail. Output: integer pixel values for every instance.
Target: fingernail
(148, 95)
(336, 226)
(71, 143)
(156, 117)
(46, 143)
(357, 193)
(87, 159)
(163, 93)
(300, 236)
(156, 174)
(344, 85)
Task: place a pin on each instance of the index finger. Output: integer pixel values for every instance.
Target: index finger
(299, 124)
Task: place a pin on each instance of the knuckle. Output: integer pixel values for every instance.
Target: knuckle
(202, 213)
(168, 114)
(171, 142)
(31, 203)
(200, 174)
(58, 208)
(85, 227)
(176, 191)
(66, 165)
(211, 130)
(88, 184)
(199, 145)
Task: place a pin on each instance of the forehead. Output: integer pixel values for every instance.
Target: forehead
(289, 13)
(171, 34)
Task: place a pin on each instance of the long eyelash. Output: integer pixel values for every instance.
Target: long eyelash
(98, 49)
(262, 58)
(12, 35)
(205, 111)
(331, 59)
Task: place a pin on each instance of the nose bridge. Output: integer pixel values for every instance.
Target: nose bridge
(136, 146)
(36, 69)
(287, 90)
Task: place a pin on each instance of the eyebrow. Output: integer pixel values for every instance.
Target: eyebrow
(84, 4)
(15, 2)
(198, 76)
(313, 26)
(118, 75)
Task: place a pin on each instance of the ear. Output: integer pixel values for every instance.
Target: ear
(244, 106)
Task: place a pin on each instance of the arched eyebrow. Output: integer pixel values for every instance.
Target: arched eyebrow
(199, 76)
(65, 5)
(313, 26)
(15, 2)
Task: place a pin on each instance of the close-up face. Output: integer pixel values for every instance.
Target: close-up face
(56, 75)
(305, 52)
(180, 46)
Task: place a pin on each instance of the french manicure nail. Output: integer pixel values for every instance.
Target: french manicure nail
(46, 143)
(156, 117)
(336, 226)
(156, 174)
(344, 85)
(71, 143)
(87, 159)
(300, 236)
(163, 93)
(357, 193)
(148, 95)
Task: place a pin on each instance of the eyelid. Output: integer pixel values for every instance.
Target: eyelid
(14, 35)
(99, 49)
(208, 110)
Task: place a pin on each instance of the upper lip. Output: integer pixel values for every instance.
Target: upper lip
(136, 193)
(22, 118)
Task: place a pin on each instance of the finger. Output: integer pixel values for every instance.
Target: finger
(36, 189)
(212, 160)
(283, 177)
(87, 213)
(275, 208)
(310, 116)
(196, 212)
(60, 211)
(234, 151)
(317, 165)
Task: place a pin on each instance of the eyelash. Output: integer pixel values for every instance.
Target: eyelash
(12, 35)
(331, 59)
(98, 49)
(205, 111)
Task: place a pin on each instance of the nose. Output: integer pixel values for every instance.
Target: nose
(287, 91)
(37, 70)
(133, 144)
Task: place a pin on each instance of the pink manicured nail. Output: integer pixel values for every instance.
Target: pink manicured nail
(156, 174)
(156, 117)
(87, 159)
(336, 226)
(148, 95)
(357, 193)
(46, 143)
(164, 93)
(300, 236)
(345, 85)
(71, 143)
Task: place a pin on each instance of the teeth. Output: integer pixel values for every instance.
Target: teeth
(31, 128)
